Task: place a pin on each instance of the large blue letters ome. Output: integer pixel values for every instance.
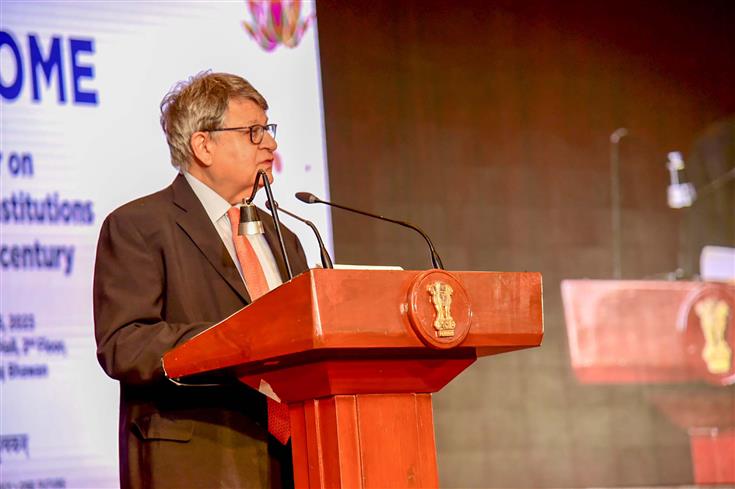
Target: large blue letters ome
(39, 65)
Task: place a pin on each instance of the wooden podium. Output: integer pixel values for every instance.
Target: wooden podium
(675, 334)
(356, 355)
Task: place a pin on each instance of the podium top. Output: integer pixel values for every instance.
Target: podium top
(647, 331)
(365, 312)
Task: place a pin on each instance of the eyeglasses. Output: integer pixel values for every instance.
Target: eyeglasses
(256, 131)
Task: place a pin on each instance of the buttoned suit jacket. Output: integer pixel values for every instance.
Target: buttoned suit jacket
(162, 275)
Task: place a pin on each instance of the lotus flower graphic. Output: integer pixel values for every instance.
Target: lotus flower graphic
(276, 22)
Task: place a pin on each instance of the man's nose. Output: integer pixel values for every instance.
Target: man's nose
(269, 142)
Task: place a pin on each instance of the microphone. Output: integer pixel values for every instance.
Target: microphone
(678, 194)
(615, 213)
(310, 198)
(274, 212)
(326, 259)
(250, 224)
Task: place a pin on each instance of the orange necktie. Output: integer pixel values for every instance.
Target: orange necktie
(279, 424)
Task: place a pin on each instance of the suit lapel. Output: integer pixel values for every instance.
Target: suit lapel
(195, 222)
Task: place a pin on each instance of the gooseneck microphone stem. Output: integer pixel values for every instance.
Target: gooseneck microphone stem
(326, 259)
(274, 213)
(313, 199)
(261, 173)
(716, 183)
(615, 213)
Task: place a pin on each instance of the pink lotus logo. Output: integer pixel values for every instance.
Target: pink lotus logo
(276, 22)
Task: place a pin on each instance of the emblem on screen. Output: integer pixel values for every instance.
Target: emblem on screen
(716, 353)
(276, 22)
(441, 297)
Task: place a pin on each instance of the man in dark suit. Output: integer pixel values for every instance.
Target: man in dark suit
(166, 270)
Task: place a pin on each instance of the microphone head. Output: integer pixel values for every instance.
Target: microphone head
(680, 195)
(618, 134)
(250, 224)
(307, 197)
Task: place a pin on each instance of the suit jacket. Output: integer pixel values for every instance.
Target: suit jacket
(162, 275)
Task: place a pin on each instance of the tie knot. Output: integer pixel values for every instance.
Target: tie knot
(233, 214)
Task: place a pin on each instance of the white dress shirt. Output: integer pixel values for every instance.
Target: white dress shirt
(216, 208)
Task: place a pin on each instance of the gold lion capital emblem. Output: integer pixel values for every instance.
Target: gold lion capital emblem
(716, 353)
(441, 297)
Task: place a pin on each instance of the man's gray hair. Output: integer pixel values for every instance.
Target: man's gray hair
(199, 104)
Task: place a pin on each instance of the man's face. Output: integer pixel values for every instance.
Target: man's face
(235, 160)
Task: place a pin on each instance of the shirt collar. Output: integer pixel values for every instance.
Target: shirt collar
(214, 205)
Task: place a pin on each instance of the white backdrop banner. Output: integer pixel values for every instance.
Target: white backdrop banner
(80, 88)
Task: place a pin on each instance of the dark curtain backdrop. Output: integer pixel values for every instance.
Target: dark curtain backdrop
(488, 124)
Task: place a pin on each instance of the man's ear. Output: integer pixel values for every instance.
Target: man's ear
(201, 146)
